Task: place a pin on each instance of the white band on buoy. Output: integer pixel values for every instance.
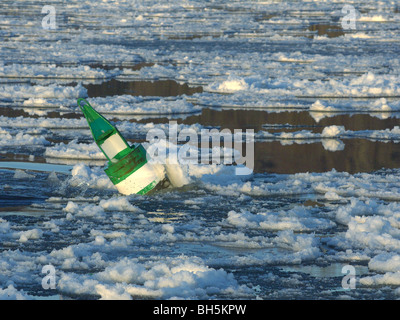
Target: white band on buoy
(113, 145)
(144, 177)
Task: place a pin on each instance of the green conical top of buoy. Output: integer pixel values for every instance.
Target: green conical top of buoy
(101, 128)
(103, 132)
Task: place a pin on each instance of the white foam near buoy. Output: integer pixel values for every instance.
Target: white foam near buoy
(176, 175)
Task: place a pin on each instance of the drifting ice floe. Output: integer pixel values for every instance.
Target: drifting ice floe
(53, 71)
(332, 132)
(20, 139)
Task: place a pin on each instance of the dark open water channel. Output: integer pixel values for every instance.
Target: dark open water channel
(355, 155)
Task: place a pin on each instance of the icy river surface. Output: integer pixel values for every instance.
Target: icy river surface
(318, 84)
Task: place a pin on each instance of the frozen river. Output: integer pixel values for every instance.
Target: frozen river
(318, 83)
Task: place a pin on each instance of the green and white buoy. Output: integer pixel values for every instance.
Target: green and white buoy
(128, 168)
